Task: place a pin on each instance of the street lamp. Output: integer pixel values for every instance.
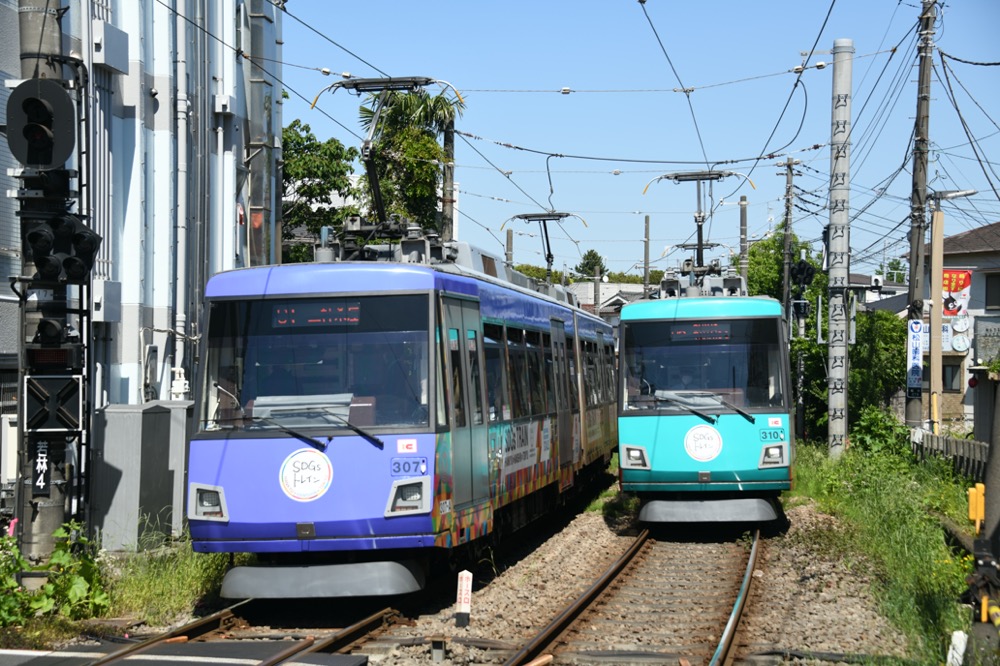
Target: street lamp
(937, 302)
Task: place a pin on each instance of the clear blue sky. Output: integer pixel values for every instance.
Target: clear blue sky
(624, 62)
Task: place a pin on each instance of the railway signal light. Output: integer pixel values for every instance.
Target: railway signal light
(41, 124)
(62, 248)
(53, 348)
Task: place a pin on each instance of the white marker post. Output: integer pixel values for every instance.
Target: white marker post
(464, 601)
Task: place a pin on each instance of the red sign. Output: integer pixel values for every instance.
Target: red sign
(956, 286)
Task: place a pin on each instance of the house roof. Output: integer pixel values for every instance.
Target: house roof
(981, 239)
(896, 304)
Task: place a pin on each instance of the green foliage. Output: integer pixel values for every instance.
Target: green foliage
(314, 173)
(537, 272)
(591, 262)
(406, 154)
(887, 502)
(876, 430)
(15, 601)
(74, 587)
(877, 368)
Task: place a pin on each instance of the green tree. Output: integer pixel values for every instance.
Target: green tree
(408, 159)
(591, 262)
(314, 174)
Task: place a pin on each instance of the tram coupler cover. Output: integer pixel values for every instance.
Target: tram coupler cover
(463, 604)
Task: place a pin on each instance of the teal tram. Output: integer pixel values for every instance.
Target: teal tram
(704, 419)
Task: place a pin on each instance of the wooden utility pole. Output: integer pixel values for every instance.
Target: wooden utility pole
(786, 282)
(918, 203)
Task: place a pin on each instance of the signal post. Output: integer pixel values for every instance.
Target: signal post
(58, 252)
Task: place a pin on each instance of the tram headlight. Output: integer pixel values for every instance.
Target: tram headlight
(773, 455)
(633, 457)
(207, 503)
(409, 496)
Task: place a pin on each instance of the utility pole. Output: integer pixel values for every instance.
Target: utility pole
(509, 257)
(786, 282)
(918, 202)
(645, 262)
(744, 250)
(448, 184)
(840, 246)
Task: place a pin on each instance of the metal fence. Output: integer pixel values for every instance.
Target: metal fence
(967, 455)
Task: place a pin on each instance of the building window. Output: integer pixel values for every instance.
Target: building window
(993, 291)
(951, 376)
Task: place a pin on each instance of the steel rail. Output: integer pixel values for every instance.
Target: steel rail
(729, 633)
(347, 636)
(198, 627)
(547, 635)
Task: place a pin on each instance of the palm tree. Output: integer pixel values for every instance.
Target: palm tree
(406, 138)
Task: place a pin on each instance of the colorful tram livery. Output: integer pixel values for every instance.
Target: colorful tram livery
(360, 420)
(704, 415)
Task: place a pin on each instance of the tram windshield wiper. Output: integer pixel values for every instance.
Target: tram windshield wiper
(661, 396)
(312, 441)
(363, 434)
(747, 415)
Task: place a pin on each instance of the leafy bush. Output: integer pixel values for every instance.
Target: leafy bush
(876, 430)
(73, 589)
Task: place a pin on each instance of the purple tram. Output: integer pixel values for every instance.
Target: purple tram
(359, 421)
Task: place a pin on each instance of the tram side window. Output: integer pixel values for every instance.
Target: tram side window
(550, 373)
(441, 405)
(455, 352)
(609, 373)
(571, 364)
(518, 372)
(536, 380)
(590, 377)
(496, 382)
(475, 389)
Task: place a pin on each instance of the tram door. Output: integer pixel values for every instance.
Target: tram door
(467, 404)
(564, 415)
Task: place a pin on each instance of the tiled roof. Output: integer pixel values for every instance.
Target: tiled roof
(980, 239)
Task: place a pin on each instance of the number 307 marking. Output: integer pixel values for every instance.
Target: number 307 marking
(408, 466)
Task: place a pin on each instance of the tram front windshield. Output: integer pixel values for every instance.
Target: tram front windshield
(296, 363)
(676, 365)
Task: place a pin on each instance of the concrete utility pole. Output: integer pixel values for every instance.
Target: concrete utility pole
(786, 282)
(918, 202)
(744, 250)
(840, 245)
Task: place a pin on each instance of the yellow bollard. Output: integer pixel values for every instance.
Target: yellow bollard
(977, 505)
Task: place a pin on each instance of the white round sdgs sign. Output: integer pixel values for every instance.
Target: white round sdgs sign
(703, 443)
(306, 475)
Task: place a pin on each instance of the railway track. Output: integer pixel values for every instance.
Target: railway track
(226, 633)
(660, 602)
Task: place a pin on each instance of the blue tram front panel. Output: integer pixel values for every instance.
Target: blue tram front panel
(689, 453)
(285, 495)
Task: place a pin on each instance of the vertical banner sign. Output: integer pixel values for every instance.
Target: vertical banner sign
(41, 472)
(463, 605)
(914, 359)
(955, 292)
